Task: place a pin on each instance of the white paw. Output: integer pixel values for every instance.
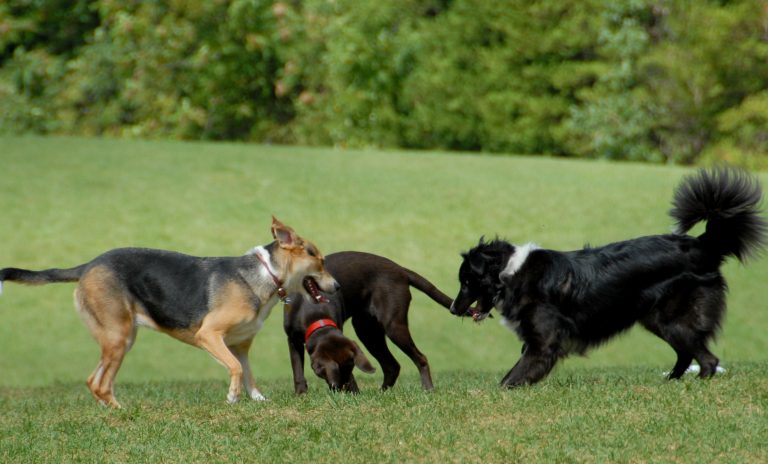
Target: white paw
(695, 369)
(231, 398)
(256, 395)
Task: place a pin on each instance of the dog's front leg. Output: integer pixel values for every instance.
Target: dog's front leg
(533, 366)
(213, 342)
(541, 328)
(296, 351)
(249, 382)
(351, 386)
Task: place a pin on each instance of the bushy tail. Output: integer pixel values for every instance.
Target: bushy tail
(429, 289)
(47, 276)
(728, 199)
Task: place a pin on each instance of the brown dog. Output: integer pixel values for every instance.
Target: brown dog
(217, 304)
(375, 294)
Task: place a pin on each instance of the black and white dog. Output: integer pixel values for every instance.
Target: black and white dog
(566, 302)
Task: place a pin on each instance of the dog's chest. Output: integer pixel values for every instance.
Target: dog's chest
(513, 325)
(246, 329)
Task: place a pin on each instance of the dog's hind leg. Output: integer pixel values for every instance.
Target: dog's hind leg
(249, 382)
(681, 365)
(688, 320)
(684, 356)
(401, 336)
(371, 334)
(107, 314)
(707, 361)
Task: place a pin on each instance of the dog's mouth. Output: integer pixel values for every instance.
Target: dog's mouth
(477, 314)
(310, 285)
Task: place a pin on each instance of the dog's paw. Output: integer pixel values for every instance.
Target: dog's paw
(232, 398)
(257, 396)
(695, 369)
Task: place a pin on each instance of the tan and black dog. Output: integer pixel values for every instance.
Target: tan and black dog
(375, 294)
(214, 303)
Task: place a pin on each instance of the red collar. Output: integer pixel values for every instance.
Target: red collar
(318, 325)
(280, 290)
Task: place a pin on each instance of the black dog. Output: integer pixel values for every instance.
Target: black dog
(566, 302)
(375, 294)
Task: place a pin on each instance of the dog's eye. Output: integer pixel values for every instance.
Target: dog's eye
(311, 252)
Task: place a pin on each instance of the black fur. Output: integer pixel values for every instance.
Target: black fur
(566, 302)
(173, 288)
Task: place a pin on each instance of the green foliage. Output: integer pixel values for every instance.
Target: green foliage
(708, 59)
(57, 26)
(614, 117)
(744, 130)
(491, 77)
(628, 79)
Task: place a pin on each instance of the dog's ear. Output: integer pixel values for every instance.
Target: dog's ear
(285, 236)
(477, 262)
(361, 361)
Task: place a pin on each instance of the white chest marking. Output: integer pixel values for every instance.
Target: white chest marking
(511, 325)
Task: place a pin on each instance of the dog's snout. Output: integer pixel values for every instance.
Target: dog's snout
(453, 308)
(336, 286)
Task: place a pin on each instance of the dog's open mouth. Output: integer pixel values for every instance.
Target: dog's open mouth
(477, 314)
(310, 285)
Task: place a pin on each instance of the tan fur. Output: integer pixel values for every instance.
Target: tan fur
(236, 311)
(107, 314)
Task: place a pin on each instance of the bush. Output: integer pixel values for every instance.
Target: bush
(630, 79)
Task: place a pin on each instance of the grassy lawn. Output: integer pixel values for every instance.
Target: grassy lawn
(586, 415)
(65, 200)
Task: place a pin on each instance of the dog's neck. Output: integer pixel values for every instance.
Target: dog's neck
(317, 325)
(517, 259)
(268, 270)
(263, 254)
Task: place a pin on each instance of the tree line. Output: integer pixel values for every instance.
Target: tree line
(683, 81)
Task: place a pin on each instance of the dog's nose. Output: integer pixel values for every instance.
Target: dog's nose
(336, 286)
(453, 309)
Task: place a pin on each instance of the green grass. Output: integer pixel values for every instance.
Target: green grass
(65, 200)
(587, 415)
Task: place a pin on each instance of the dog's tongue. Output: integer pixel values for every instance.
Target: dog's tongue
(478, 315)
(310, 285)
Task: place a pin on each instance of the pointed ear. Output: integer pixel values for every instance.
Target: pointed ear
(283, 234)
(477, 262)
(362, 362)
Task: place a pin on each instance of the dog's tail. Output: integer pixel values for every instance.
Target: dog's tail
(728, 199)
(47, 276)
(419, 282)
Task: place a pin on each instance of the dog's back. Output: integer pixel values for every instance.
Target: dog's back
(360, 274)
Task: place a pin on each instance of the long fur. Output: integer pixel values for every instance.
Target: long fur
(566, 302)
